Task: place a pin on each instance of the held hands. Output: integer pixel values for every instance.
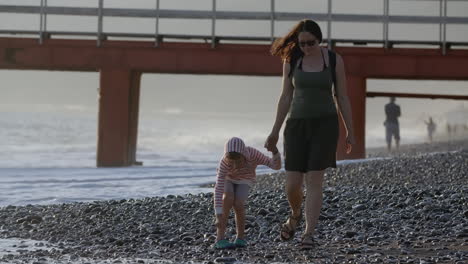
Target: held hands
(270, 143)
(274, 150)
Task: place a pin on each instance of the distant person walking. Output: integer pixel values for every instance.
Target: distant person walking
(431, 127)
(392, 127)
(449, 131)
(311, 132)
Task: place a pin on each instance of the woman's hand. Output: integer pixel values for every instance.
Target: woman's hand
(350, 142)
(271, 141)
(274, 150)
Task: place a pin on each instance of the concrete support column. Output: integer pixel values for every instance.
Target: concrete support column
(134, 113)
(118, 117)
(356, 86)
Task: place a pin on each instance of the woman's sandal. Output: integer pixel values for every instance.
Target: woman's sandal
(289, 228)
(307, 241)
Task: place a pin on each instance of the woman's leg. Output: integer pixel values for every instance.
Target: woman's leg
(228, 201)
(294, 181)
(313, 204)
(295, 195)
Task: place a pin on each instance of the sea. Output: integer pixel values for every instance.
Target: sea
(48, 153)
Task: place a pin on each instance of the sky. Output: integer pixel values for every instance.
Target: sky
(258, 95)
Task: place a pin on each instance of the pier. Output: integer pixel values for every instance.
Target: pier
(121, 62)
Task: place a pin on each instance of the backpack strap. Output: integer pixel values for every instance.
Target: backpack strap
(332, 60)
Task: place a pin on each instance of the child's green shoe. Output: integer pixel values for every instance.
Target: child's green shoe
(240, 243)
(223, 244)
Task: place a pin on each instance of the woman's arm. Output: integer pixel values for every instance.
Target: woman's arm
(343, 101)
(284, 103)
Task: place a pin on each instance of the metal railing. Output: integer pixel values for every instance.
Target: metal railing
(214, 15)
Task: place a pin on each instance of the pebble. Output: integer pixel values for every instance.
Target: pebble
(225, 260)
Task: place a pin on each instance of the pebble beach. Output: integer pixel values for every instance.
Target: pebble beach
(402, 207)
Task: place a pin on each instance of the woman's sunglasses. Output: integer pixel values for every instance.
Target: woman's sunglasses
(309, 43)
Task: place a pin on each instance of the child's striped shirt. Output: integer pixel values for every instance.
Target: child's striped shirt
(243, 175)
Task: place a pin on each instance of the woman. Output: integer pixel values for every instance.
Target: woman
(311, 132)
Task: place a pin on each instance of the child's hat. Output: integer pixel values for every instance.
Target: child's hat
(234, 144)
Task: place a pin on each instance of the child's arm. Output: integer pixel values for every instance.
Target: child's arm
(273, 162)
(219, 187)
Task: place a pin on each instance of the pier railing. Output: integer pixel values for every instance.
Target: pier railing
(214, 15)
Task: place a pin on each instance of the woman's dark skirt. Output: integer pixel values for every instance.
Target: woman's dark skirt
(310, 144)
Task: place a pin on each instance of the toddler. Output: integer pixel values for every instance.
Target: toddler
(236, 175)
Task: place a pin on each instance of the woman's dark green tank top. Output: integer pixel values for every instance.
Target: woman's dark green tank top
(312, 93)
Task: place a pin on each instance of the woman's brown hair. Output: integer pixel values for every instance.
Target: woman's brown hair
(287, 47)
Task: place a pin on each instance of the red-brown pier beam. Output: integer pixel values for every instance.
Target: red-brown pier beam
(121, 63)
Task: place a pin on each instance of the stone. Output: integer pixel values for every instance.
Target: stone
(225, 260)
